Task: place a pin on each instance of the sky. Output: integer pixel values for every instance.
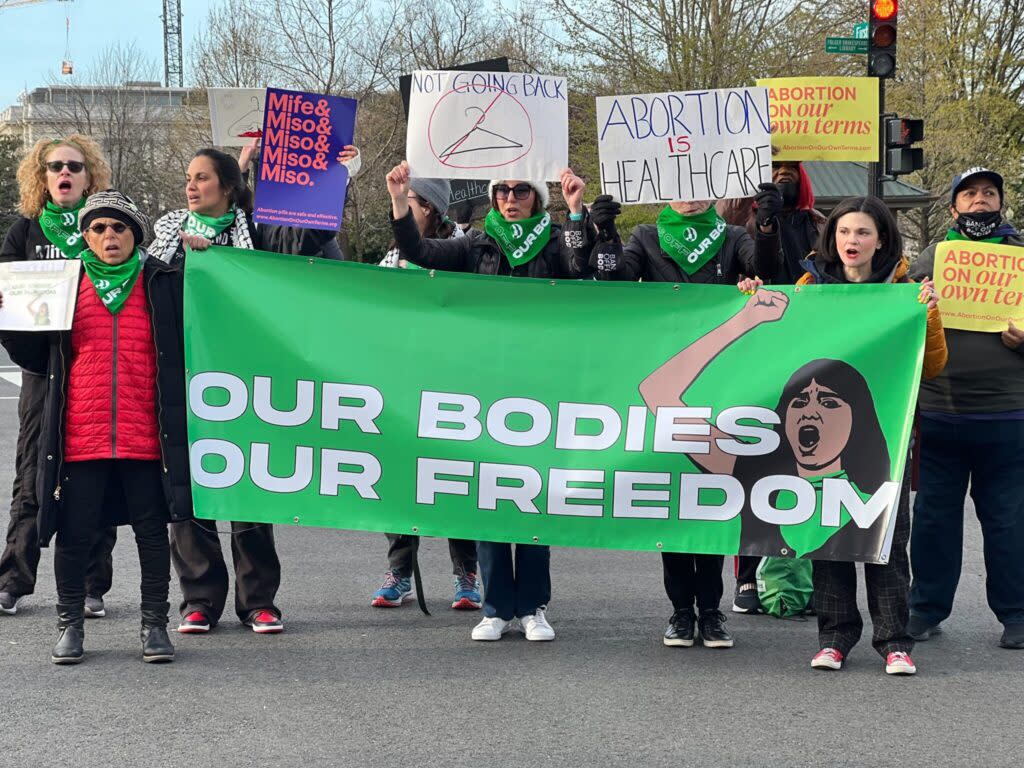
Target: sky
(32, 37)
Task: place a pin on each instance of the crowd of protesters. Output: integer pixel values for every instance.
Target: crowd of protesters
(102, 438)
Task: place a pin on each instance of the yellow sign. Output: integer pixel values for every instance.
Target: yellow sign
(980, 285)
(823, 118)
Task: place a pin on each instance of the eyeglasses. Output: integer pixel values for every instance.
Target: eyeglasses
(519, 191)
(75, 166)
(100, 228)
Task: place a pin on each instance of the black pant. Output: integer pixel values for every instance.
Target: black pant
(20, 558)
(80, 519)
(693, 578)
(203, 575)
(746, 569)
(888, 586)
(402, 547)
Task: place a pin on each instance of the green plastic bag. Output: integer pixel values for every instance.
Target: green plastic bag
(784, 585)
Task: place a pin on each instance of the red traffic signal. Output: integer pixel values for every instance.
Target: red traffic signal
(882, 18)
(883, 10)
(900, 156)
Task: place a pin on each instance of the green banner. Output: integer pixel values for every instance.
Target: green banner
(645, 416)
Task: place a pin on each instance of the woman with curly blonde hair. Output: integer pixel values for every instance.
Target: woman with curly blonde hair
(54, 180)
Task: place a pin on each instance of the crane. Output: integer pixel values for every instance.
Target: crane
(171, 18)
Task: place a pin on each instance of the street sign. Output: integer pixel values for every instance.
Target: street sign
(846, 45)
(860, 31)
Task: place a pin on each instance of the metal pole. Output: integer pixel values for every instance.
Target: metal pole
(875, 169)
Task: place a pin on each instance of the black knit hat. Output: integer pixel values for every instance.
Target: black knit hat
(115, 205)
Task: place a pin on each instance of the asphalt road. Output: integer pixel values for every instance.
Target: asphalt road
(348, 685)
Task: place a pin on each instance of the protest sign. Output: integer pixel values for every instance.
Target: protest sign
(824, 118)
(980, 285)
(697, 145)
(457, 427)
(236, 115)
(485, 125)
(301, 182)
(39, 295)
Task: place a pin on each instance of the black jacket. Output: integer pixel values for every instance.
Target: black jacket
(51, 352)
(25, 240)
(642, 258)
(565, 256)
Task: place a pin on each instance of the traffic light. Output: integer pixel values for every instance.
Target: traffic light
(900, 156)
(882, 17)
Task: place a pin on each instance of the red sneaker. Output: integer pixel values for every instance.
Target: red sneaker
(265, 622)
(828, 658)
(899, 663)
(195, 623)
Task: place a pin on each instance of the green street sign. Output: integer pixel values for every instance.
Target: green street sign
(846, 45)
(860, 31)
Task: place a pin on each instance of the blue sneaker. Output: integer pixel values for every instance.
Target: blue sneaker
(393, 592)
(467, 592)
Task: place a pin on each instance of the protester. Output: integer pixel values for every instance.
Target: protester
(518, 240)
(716, 253)
(799, 226)
(131, 443)
(972, 433)
(861, 243)
(54, 180)
(428, 201)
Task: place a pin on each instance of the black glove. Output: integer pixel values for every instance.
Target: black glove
(769, 204)
(604, 259)
(603, 213)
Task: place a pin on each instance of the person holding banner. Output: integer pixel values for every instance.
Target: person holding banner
(113, 419)
(861, 243)
(428, 201)
(519, 240)
(54, 180)
(690, 243)
(972, 435)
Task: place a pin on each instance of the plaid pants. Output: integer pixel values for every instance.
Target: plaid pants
(888, 586)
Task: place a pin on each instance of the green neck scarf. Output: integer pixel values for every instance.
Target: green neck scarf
(691, 241)
(60, 225)
(207, 226)
(954, 234)
(810, 535)
(519, 240)
(112, 283)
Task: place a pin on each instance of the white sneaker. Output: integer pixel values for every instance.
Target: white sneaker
(536, 627)
(491, 628)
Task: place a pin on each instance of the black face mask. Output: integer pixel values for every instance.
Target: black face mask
(790, 193)
(979, 226)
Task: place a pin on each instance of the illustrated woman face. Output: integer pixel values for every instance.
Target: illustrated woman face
(857, 239)
(818, 426)
(203, 190)
(66, 176)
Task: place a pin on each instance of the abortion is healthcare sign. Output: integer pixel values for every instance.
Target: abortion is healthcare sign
(301, 183)
(766, 424)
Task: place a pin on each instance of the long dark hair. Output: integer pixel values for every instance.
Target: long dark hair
(888, 232)
(230, 176)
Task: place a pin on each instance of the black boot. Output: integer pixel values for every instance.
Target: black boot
(156, 645)
(71, 633)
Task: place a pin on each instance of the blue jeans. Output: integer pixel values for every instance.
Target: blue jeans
(514, 586)
(990, 455)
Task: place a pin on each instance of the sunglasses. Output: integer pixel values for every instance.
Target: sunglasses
(57, 166)
(519, 191)
(99, 228)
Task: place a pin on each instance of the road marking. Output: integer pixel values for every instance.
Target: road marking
(14, 378)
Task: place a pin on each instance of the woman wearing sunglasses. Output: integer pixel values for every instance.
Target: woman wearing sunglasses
(54, 180)
(113, 418)
(519, 240)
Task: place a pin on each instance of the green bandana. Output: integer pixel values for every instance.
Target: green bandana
(691, 241)
(207, 226)
(519, 240)
(810, 535)
(112, 283)
(60, 225)
(954, 234)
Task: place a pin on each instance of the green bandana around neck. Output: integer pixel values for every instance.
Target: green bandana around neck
(519, 240)
(954, 234)
(207, 226)
(113, 283)
(691, 241)
(60, 225)
(811, 535)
